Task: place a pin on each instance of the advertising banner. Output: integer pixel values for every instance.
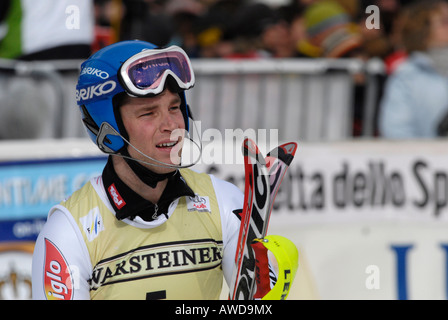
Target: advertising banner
(370, 218)
(28, 189)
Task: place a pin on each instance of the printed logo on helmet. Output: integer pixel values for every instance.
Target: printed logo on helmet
(58, 282)
(95, 91)
(95, 72)
(118, 200)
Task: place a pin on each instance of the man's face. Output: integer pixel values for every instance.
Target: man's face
(156, 127)
(439, 27)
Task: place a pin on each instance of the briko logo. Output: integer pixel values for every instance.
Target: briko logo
(95, 90)
(95, 72)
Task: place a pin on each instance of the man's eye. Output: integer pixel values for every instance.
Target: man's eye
(147, 114)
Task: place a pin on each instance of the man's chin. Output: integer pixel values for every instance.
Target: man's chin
(165, 165)
(162, 162)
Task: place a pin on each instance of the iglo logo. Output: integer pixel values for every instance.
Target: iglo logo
(95, 90)
(58, 281)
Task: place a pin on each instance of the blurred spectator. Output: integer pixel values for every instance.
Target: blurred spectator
(38, 30)
(108, 16)
(147, 20)
(351, 7)
(279, 38)
(384, 42)
(216, 32)
(376, 40)
(415, 99)
(185, 14)
(330, 31)
(297, 27)
(61, 29)
(217, 28)
(398, 52)
(248, 27)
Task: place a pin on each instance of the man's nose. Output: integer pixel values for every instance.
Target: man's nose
(168, 123)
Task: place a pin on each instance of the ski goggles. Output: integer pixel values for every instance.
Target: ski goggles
(146, 72)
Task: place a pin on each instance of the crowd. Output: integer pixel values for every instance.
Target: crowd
(251, 29)
(204, 28)
(237, 29)
(411, 34)
(415, 100)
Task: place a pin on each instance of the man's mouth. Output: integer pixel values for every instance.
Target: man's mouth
(167, 144)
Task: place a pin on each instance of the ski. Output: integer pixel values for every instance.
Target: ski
(255, 208)
(263, 177)
(278, 161)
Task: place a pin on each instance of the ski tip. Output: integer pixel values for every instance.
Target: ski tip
(250, 149)
(290, 148)
(284, 152)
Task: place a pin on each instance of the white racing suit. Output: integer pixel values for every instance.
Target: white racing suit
(85, 252)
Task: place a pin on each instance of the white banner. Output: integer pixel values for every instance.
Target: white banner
(369, 218)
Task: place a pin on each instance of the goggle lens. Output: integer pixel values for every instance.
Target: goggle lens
(147, 72)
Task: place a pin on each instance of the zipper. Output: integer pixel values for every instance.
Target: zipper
(156, 210)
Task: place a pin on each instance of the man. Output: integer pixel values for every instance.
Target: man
(147, 228)
(415, 100)
(61, 29)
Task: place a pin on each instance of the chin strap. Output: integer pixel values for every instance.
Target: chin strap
(148, 176)
(107, 130)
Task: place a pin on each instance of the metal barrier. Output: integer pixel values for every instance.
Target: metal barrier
(305, 99)
(37, 99)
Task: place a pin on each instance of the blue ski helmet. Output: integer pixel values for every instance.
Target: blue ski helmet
(136, 67)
